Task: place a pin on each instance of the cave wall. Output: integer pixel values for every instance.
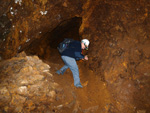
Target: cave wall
(119, 32)
(22, 22)
(120, 50)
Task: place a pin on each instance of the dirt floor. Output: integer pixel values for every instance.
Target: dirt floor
(92, 98)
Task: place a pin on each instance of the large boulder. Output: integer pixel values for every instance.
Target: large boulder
(26, 81)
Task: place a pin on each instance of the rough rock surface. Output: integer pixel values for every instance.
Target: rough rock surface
(120, 51)
(26, 84)
(119, 31)
(24, 21)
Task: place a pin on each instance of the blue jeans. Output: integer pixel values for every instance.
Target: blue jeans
(71, 63)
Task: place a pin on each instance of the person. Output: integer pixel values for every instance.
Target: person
(70, 56)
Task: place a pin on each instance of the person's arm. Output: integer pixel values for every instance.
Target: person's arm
(82, 58)
(79, 55)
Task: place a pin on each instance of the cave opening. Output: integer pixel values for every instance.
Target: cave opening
(46, 46)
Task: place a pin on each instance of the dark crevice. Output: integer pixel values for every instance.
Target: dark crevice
(46, 46)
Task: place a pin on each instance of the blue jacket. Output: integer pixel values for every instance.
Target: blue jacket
(73, 50)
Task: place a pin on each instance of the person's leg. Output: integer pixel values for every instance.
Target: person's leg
(71, 63)
(62, 70)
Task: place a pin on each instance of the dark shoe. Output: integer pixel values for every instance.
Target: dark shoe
(79, 86)
(60, 72)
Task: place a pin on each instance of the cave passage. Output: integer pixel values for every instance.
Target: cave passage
(116, 77)
(46, 46)
(46, 49)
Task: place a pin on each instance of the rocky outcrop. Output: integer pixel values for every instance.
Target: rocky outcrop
(26, 84)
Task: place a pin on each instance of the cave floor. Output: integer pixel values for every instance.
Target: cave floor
(93, 97)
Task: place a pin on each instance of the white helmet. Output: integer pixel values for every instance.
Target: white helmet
(86, 42)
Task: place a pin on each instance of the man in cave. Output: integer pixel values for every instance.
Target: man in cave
(72, 53)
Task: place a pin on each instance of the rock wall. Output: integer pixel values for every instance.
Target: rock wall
(120, 50)
(22, 22)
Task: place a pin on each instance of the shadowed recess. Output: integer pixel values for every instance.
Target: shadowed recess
(46, 46)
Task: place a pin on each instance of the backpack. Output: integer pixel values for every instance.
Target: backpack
(64, 44)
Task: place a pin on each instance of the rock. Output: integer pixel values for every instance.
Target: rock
(26, 69)
(17, 100)
(23, 82)
(36, 89)
(29, 79)
(27, 86)
(31, 63)
(19, 109)
(38, 77)
(5, 97)
(47, 73)
(30, 105)
(59, 106)
(22, 54)
(52, 94)
(6, 109)
(22, 90)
